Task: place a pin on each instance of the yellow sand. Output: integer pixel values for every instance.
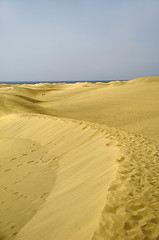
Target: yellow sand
(80, 161)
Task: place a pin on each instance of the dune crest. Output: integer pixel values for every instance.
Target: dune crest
(132, 206)
(80, 161)
(72, 158)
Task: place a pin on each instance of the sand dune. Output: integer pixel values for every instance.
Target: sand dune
(130, 106)
(80, 161)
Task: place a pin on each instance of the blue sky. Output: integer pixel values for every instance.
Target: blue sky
(55, 40)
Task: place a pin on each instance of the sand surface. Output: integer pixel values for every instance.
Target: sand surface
(80, 161)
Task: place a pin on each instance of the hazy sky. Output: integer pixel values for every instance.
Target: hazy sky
(53, 40)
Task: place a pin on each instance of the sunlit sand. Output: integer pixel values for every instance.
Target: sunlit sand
(80, 161)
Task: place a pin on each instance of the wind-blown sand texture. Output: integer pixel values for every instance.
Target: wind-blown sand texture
(80, 161)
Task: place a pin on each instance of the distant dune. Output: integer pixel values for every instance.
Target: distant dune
(80, 161)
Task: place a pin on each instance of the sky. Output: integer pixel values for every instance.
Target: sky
(71, 40)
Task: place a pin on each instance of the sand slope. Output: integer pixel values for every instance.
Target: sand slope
(43, 152)
(130, 106)
(80, 161)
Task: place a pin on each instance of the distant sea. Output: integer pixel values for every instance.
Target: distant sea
(69, 82)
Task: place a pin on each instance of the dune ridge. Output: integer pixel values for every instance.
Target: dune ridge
(132, 203)
(80, 161)
(61, 142)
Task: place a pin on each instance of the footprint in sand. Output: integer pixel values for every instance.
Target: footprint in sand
(7, 170)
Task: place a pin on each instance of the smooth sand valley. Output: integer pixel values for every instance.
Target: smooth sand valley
(80, 161)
